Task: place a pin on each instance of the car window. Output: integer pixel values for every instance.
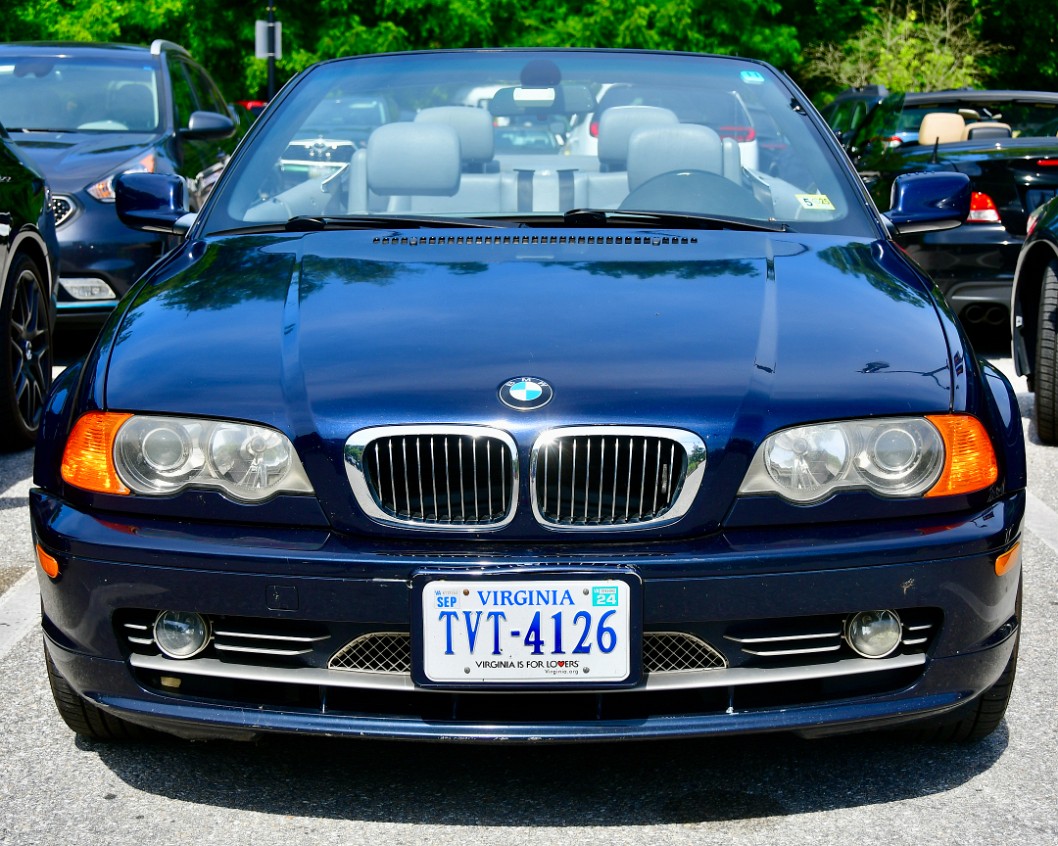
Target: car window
(676, 133)
(183, 97)
(206, 94)
(67, 94)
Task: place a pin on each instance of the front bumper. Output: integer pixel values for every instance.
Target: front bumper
(96, 246)
(315, 582)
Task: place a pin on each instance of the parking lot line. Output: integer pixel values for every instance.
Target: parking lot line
(19, 612)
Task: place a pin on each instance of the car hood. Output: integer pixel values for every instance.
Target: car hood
(71, 160)
(731, 335)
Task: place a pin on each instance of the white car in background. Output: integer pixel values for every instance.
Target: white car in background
(723, 111)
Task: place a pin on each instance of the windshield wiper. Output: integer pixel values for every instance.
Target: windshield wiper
(620, 217)
(313, 223)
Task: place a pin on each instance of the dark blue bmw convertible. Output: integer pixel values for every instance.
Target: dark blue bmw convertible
(415, 438)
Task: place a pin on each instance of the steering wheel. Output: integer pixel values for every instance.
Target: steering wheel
(695, 192)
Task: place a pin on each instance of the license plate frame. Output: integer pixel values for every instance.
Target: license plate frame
(432, 670)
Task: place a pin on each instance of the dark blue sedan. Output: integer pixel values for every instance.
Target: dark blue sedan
(412, 438)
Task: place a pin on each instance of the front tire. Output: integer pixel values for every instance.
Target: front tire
(978, 719)
(82, 716)
(26, 358)
(1045, 372)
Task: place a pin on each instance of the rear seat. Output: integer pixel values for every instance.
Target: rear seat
(443, 163)
(987, 129)
(606, 190)
(422, 166)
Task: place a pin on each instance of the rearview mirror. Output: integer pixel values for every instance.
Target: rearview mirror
(208, 126)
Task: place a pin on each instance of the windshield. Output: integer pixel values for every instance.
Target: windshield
(530, 135)
(77, 95)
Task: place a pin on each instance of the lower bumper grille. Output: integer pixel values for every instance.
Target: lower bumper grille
(663, 652)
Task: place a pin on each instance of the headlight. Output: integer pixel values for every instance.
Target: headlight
(894, 457)
(104, 189)
(155, 455)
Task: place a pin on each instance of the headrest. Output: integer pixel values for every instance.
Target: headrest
(653, 150)
(617, 125)
(941, 127)
(986, 129)
(473, 126)
(420, 159)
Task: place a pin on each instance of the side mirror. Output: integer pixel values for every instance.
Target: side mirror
(153, 202)
(207, 126)
(927, 202)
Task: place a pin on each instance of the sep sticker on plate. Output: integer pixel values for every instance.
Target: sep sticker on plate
(815, 202)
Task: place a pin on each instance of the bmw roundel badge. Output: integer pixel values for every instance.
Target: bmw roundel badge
(525, 393)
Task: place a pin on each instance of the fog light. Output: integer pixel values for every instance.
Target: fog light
(873, 634)
(181, 634)
(87, 289)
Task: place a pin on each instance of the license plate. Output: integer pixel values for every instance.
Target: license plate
(547, 631)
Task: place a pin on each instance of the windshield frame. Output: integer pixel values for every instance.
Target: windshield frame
(859, 217)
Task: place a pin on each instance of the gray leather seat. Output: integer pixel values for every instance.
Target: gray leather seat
(606, 190)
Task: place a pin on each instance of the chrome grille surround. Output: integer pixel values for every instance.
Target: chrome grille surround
(457, 478)
(236, 635)
(62, 207)
(817, 636)
(614, 478)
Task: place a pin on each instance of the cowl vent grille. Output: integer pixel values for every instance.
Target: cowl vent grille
(533, 240)
(450, 477)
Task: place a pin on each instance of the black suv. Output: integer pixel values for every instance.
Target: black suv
(87, 112)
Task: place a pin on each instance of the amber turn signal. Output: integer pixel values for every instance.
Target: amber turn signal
(88, 460)
(969, 460)
(1010, 558)
(48, 563)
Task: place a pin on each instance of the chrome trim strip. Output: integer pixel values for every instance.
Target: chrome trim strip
(781, 653)
(260, 650)
(355, 460)
(731, 677)
(914, 641)
(257, 636)
(140, 641)
(780, 639)
(693, 447)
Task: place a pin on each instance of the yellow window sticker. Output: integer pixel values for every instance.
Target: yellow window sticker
(815, 202)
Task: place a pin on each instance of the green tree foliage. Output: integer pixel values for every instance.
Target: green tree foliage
(1030, 31)
(220, 34)
(906, 47)
(852, 41)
